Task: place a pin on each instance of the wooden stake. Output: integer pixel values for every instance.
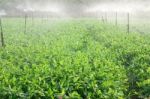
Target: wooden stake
(25, 24)
(116, 19)
(105, 16)
(2, 36)
(102, 19)
(32, 19)
(128, 23)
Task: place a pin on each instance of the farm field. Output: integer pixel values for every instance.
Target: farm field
(73, 59)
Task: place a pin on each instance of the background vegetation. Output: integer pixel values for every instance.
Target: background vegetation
(74, 59)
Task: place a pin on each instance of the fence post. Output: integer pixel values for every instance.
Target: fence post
(2, 35)
(128, 22)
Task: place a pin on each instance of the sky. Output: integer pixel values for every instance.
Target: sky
(121, 6)
(75, 6)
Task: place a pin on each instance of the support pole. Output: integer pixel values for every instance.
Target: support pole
(25, 24)
(128, 22)
(32, 19)
(106, 17)
(2, 35)
(102, 19)
(116, 19)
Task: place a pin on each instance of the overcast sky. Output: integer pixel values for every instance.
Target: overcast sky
(77, 5)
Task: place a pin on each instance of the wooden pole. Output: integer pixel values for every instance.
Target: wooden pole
(25, 24)
(105, 16)
(116, 19)
(2, 35)
(102, 19)
(32, 19)
(128, 23)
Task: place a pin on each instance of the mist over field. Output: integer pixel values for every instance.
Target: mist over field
(74, 7)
